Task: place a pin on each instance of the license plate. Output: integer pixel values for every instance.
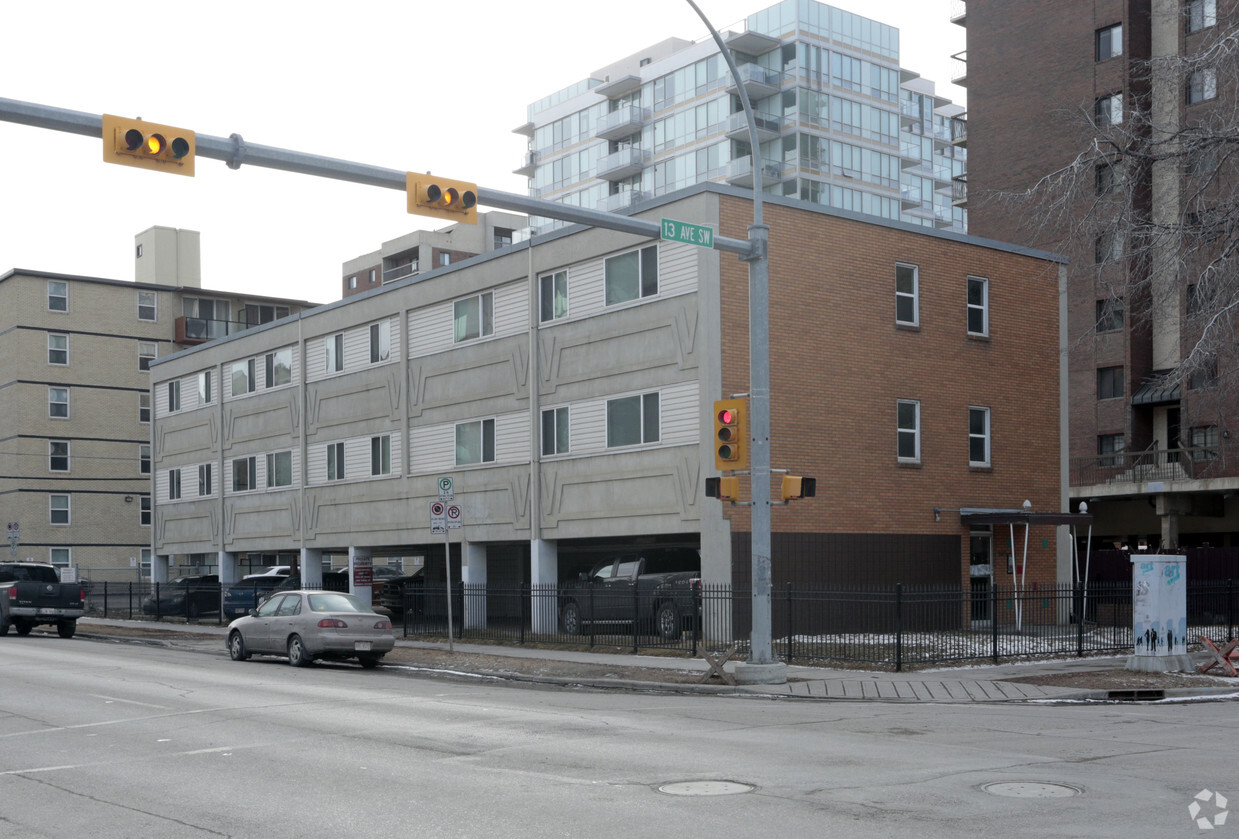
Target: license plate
(47, 611)
(361, 646)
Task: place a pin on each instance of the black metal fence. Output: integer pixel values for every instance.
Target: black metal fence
(896, 627)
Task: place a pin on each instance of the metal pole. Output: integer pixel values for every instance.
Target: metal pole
(447, 556)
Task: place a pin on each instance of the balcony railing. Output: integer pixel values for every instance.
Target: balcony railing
(200, 330)
(1191, 463)
(399, 272)
(624, 122)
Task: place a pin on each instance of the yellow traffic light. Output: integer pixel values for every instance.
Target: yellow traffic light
(148, 145)
(795, 487)
(730, 446)
(724, 489)
(442, 198)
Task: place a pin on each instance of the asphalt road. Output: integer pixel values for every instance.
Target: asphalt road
(117, 740)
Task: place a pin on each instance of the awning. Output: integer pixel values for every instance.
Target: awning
(1020, 517)
(1156, 391)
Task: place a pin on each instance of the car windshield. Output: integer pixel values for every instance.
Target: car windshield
(335, 602)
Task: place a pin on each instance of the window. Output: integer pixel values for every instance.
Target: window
(204, 387)
(373, 276)
(632, 420)
(380, 455)
(1201, 14)
(204, 480)
(58, 455)
(474, 317)
(1108, 110)
(146, 352)
(60, 557)
(59, 508)
(978, 306)
(1107, 247)
(352, 282)
(255, 314)
(1109, 315)
(146, 305)
(555, 436)
(243, 377)
(1109, 445)
(380, 341)
(631, 275)
(57, 348)
(144, 512)
(475, 442)
(279, 367)
(174, 396)
(57, 296)
(144, 458)
(906, 294)
(445, 259)
(243, 474)
(1203, 377)
(1109, 382)
(1109, 42)
(335, 352)
(908, 446)
(1106, 178)
(174, 484)
(335, 461)
(58, 402)
(279, 469)
(503, 237)
(1204, 443)
(144, 407)
(978, 436)
(1201, 85)
(554, 296)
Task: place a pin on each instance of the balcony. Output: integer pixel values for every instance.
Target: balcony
(740, 172)
(623, 164)
(959, 191)
(752, 43)
(1120, 473)
(769, 127)
(621, 86)
(959, 132)
(625, 122)
(758, 81)
(960, 75)
(399, 272)
(621, 201)
(959, 13)
(530, 166)
(191, 331)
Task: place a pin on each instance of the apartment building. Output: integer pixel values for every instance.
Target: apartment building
(565, 386)
(75, 415)
(1152, 457)
(424, 250)
(839, 122)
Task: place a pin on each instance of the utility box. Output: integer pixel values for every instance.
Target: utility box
(1159, 614)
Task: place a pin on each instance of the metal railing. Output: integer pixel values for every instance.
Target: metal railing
(1186, 463)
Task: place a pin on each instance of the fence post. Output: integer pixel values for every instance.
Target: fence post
(1230, 610)
(592, 623)
(993, 619)
(791, 626)
(526, 596)
(636, 615)
(898, 627)
(1077, 596)
(698, 616)
(105, 600)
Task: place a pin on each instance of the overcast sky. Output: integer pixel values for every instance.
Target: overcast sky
(404, 84)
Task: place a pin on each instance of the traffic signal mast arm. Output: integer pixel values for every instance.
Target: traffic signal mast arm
(235, 151)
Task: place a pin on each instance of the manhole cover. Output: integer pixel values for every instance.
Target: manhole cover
(705, 788)
(1031, 789)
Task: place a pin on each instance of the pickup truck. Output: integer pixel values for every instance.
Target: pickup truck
(31, 593)
(632, 589)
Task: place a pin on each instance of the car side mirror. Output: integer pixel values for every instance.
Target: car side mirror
(253, 613)
(584, 576)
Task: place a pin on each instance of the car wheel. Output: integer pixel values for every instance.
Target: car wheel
(570, 618)
(667, 620)
(236, 647)
(4, 627)
(66, 628)
(297, 655)
(369, 661)
(23, 627)
(191, 610)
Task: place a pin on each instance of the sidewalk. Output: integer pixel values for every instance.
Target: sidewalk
(960, 685)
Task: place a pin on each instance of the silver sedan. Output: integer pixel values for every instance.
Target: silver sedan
(305, 625)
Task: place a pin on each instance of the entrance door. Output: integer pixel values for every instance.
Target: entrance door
(981, 571)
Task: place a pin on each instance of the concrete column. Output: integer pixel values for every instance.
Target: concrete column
(227, 567)
(473, 579)
(311, 567)
(544, 580)
(355, 554)
(160, 564)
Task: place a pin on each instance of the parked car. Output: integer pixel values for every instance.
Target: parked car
(657, 592)
(392, 597)
(271, 571)
(31, 593)
(307, 625)
(240, 597)
(185, 596)
(332, 581)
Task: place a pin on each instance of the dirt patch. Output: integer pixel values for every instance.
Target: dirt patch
(1118, 678)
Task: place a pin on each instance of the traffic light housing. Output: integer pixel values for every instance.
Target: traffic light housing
(730, 428)
(795, 487)
(442, 198)
(148, 145)
(724, 489)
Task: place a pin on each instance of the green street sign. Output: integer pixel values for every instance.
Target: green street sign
(691, 234)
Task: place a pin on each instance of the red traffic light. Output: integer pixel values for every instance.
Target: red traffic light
(726, 417)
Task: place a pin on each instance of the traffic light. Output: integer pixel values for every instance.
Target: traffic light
(148, 145)
(795, 487)
(724, 489)
(442, 198)
(730, 447)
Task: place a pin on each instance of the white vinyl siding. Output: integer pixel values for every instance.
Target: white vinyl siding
(259, 480)
(259, 364)
(356, 460)
(432, 328)
(434, 447)
(678, 422)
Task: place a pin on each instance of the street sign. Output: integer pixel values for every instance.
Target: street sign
(445, 488)
(455, 516)
(692, 234)
(438, 523)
